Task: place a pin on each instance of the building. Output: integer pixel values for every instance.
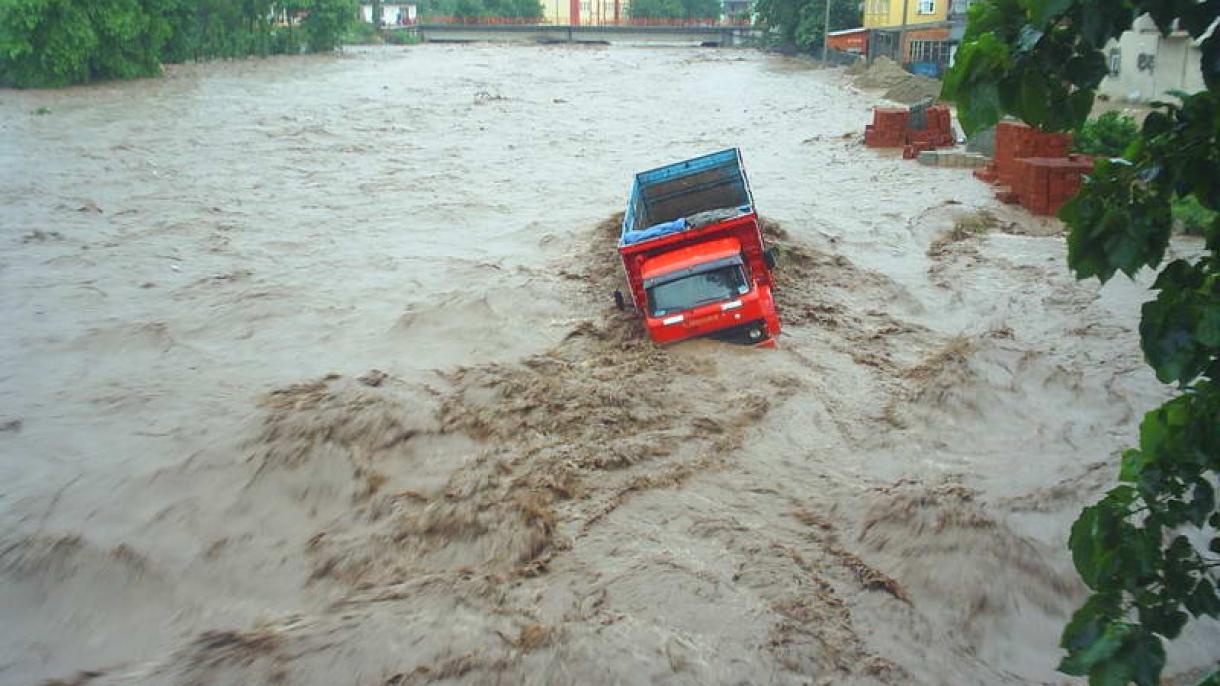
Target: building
(851, 41)
(922, 35)
(1144, 65)
(610, 12)
(392, 13)
(894, 13)
(584, 12)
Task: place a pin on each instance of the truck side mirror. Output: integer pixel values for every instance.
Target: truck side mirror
(769, 258)
(618, 300)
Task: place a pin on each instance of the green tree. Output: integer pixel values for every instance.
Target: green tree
(59, 42)
(528, 9)
(674, 9)
(327, 22)
(655, 9)
(801, 22)
(45, 42)
(1148, 551)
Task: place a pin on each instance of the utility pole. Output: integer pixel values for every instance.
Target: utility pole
(826, 37)
(902, 33)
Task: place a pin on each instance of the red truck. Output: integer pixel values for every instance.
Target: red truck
(694, 254)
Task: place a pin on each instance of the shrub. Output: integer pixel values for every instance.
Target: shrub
(285, 40)
(361, 33)
(1108, 135)
(1190, 216)
(401, 37)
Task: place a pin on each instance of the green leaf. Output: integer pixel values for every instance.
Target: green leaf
(1043, 11)
(1199, 16)
(1145, 655)
(1033, 98)
(1132, 465)
(1203, 600)
(1208, 331)
(1091, 635)
(1164, 619)
(1112, 672)
(1204, 502)
(1094, 542)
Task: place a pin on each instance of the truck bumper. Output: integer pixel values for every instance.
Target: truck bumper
(751, 333)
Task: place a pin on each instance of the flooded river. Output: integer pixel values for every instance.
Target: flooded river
(310, 374)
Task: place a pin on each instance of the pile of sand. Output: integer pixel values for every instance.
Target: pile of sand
(883, 73)
(900, 85)
(913, 89)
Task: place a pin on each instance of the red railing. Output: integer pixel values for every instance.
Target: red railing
(527, 21)
(640, 21)
(482, 20)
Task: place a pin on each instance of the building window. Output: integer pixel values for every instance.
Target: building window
(930, 51)
(1116, 61)
(879, 6)
(927, 7)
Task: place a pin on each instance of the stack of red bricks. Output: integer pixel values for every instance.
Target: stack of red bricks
(891, 128)
(888, 129)
(1043, 184)
(1035, 167)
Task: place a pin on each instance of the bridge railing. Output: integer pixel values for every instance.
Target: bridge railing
(642, 21)
(625, 21)
(512, 21)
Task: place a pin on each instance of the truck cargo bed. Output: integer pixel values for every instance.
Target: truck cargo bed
(667, 199)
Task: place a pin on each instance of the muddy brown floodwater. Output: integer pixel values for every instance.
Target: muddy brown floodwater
(309, 374)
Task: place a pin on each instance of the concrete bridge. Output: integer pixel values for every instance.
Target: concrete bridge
(548, 33)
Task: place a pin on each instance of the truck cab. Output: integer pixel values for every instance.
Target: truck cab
(694, 256)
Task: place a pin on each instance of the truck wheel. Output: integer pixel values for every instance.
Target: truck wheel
(769, 258)
(618, 300)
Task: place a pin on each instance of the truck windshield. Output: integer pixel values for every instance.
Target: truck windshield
(697, 289)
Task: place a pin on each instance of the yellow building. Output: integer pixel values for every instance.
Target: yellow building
(584, 12)
(891, 13)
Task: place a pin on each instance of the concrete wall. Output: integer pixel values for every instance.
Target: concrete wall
(888, 13)
(1149, 64)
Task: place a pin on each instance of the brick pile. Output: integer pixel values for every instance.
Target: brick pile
(1034, 168)
(891, 128)
(1043, 184)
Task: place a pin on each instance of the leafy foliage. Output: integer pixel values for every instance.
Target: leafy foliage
(1108, 135)
(325, 22)
(1149, 549)
(402, 38)
(674, 9)
(1190, 216)
(361, 33)
(60, 42)
(528, 9)
(802, 22)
